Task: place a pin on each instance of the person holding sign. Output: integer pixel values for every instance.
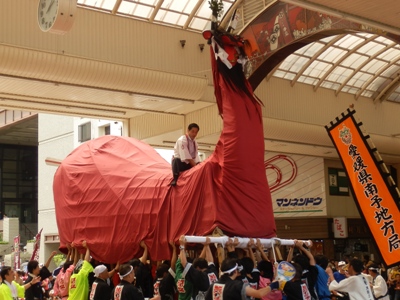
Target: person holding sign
(294, 288)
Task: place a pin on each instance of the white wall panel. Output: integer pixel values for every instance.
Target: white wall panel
(208, 120)
(56, 140)
(148, 125)
(105, 37)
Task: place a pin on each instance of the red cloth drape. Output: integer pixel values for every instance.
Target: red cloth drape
(114, 192)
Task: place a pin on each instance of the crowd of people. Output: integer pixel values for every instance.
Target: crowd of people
(244, 274)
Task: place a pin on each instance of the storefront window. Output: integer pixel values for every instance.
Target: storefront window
(18, 182)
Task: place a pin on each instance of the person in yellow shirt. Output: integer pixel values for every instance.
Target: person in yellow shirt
(79, 283)
(9, 289)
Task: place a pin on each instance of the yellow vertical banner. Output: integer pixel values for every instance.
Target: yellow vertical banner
(371, 192)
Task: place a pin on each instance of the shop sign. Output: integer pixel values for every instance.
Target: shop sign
(340, 228)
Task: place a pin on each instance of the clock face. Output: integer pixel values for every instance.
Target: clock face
(47, 13)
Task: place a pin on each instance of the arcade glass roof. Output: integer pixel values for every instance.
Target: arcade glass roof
(359, 63)
(189, 14)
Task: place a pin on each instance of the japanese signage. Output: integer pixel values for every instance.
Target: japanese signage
(340, 228)
(373, 197)
(16, 253)
(297, 185)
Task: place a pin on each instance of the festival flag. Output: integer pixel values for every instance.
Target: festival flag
(17, 262)
(374, 190)
(36, 248)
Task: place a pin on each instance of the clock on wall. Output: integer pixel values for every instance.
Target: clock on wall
(56, 16)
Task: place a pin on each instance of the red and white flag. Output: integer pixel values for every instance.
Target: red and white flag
(36, 248)
(17, 262)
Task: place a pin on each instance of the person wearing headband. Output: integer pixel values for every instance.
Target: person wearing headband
(378, 283)
(100, 289)
(227, 287)
(125, 290)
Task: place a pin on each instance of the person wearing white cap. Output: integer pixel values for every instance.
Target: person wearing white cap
(125, 290)
(229, 288)
(100, 289)
(340, 274)
(378, 284)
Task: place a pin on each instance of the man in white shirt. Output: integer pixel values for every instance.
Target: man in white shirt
(378, 283)
(185, 152)
(357, 285)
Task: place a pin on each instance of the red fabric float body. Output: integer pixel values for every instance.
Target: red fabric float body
(114, 192)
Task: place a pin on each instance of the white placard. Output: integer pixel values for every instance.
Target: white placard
(340, 228)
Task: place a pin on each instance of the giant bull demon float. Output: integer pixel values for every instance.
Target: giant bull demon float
(114, 192)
